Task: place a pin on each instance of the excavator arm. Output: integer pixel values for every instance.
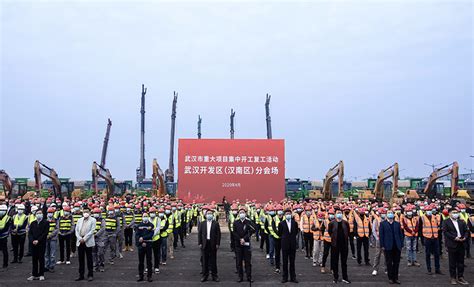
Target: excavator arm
(7, 184)
(337, 170)
(104, 173)
(444, 171)
(391, 171)
(159, 187)
(42, 169)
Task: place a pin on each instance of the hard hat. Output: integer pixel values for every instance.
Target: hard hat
(96, 210)
(51, 210)
(3, 207)
(20, 206)
(67, 208)
(152, 209)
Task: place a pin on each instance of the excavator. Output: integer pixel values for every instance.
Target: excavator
(104, 173)
(326, 194)
(159, 187)
(378, 192)
(42, 169)
(7, 184)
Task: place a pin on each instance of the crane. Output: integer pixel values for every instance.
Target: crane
(337, 170)
(440, 172)
(104, 173)
(106, 143)
(170, 171)
(199, 126)
(159, 187)
(6, 182)
(232, 115)
(141, 172)
(42, 169)
(268, 118)
(391, 171)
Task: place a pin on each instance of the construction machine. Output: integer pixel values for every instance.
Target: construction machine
(42, 169)
(106, 143)
(141, 172)
(169, 173)
(378, 192)
(451, 169)
(159, 187)
(326, 193)
(6, 183)
(267, 117)
(104, 173)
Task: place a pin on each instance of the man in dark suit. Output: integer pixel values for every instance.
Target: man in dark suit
(209, 239)
(455, 234)
(339, 231)
(287, 231)
(39, 232)
(243, 230)
(391, 242)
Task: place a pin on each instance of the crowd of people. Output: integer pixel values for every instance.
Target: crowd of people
(98, 231)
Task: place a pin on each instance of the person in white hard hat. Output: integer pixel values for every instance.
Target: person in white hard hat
(18, 233)
(5, 225)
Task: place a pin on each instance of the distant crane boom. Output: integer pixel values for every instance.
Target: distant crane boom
(232, 115)
(268, 118)
(170, 171)
(141, 172)
(106, 143)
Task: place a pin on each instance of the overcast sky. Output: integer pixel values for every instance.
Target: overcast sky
(369, 83)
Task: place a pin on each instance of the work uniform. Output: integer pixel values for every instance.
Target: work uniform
(307, 234)
(326, 242)
(430, 227)
(66, 228)
(5, 225)
(18, 236)
(377, 220)
(317, 239)
(363, 232)
(276, 241)
(129, 220)
(120, 232)
(271, 238)
(410, 230)
(144, 230)
(164, 232)
(112, 229)
(156, 241)
(51, 242)
(98, 252)
(170, 240)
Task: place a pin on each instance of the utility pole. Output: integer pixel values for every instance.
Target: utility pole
(199, 126)
(232, 115)
(141, 173)
(268, 118)
(169, 173)
(106, 143)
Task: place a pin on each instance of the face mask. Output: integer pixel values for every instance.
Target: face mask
(173, 208)
(167, 211)
(111, 213)
(39, 216)
(272, 213)
(390, 215)
(2, 213)
(50, 215)
(383, 216)
(339, 216)
(152, 215)
(288, 217)
(128, 209)
(161, 214)
(209, 217)
(76, 209)
(66, 213)
(299, 210)
(331, 216)
(96, 215)
(455, 215)
(234, 212)
(258, 210)
(366, 213)
(280, 212)
(242, 216)
(429, 212)
(86, 214)
(145, 219)
(409, 213)
(20, 211)
(308, 213)
(463, 210)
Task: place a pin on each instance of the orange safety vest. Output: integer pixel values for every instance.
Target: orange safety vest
(362, 227)
(351, 222)
(430, 228)
(326, 236)
(296, 216)
(316, 234)
(410, 223)
(305, 225)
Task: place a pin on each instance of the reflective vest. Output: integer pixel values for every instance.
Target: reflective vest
(305, 224)
(326, 236)
(231, 222)
(52, 226)
(164, 232)
(471, 219)
(351, 221)
(138, 218)
(362, 226)
(170, 224)
(177, 219)
(316, 234)
(75, 217)
(98, 225)
(430, 227)
(3, 221)
(277, 222)
(31, 218)
(110, 224)
(464, 216)
(270, 227)
(65, 224)
(297, 217)
(155, 223)
(128, 218)
(18, 220)
(410, 223)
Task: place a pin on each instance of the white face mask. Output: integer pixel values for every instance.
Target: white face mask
(152, 215)
(20, 211)
(242, 216)
(145, 219)
(86, 214)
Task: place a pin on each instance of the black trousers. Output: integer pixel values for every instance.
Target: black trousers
(365, 242)
(142, 253)
(392, 259)
(4, 249)
(351, 242)
(18, 244)
(456, 261)
(156, 246)
(264, 239)
(257, 231)
(308, 243)
(64, 239)
(277, 253)
(84, 253)
(244, 255)
(232, 242)
(326, 248)
(37, 254)
(289, 258)
(336, 252)
(128, 233)
(209, 258)
(73, 242)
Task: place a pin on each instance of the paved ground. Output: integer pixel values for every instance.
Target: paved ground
(184, 271)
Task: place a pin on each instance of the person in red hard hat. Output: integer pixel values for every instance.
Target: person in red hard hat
(66, 228)
(410, 226)
(363, 230)
(429, 224)
(51, 242)
(112, 229)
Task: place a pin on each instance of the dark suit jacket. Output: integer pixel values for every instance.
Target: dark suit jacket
(288, 239)
(215, 240)
(332, 230)
(39, 231)
(243, 230)
(450, 233)
(389, 239)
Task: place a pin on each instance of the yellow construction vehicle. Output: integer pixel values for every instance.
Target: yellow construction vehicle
(326, 193)
(7, 185)
(159, 187)
(104, 173)
(42, 169)
(378, 192)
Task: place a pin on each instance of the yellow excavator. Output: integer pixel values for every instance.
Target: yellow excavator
(7, 184)
(104, 173)
(159, 187)
(378, 192)
(42, 169)
(326, 193)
